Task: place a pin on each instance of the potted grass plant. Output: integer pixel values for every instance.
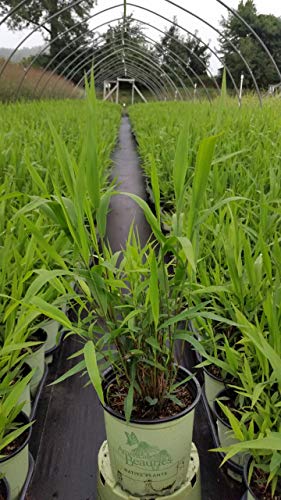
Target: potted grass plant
(17, 328)
(21, 323)
(235, 275)
(227, 416)
(254, 417)
(262, 471)
(15, 431)
(13, 368)
(215, 354)
(14, 285)
(147, 397)
(40, 279)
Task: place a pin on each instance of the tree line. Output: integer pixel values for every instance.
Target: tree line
(72, 46)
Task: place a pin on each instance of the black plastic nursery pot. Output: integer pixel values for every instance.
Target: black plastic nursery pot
(4, 490)
(15, 466)
(151, 456)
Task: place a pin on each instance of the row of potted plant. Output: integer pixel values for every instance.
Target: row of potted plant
(238, 277)
(26, 339)
(243, 272)
(33, 292)
(248, 412)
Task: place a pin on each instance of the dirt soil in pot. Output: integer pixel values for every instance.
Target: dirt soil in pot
(258, 486)
(214, 370)
(14, 445)
(116, 396)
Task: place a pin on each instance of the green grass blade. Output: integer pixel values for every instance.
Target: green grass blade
(155, 187)
(93, 370)
(154, 289)
(202, 169)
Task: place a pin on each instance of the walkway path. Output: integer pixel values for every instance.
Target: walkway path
(123, 209)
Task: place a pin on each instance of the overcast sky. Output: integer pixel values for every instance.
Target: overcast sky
(210, 10)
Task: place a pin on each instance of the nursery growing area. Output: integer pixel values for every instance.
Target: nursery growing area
(140, 256)
(204, 291)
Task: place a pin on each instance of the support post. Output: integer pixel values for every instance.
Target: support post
(133, 92)
(139, 92)
(195, 91)
(241, 88)
(117, 92)
(110, 93)
(104, 89)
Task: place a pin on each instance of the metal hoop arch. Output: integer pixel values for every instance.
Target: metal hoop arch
(106, 74)
(101, 12)
(145, 36)
(106, 10)
(176, 5)
(156, 81)
(72, 72)
(225, 38)
(149, 64)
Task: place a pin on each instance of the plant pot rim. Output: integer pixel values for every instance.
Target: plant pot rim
(41, 333)
(182, 413)
(223, 392)
(214, 377)
(22, 417)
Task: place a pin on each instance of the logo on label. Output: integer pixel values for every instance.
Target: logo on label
(144, 456)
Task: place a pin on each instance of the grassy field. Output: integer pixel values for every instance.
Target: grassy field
(51, 86)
